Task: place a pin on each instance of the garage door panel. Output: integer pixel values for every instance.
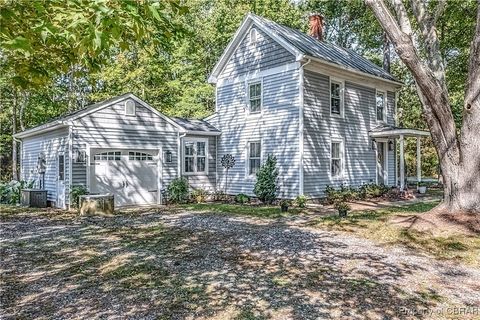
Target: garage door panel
(130, 175)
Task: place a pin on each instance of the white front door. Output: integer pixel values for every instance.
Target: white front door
(61, 180)
(130, 175)
(381, 163)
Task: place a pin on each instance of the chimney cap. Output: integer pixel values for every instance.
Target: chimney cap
(314, 14)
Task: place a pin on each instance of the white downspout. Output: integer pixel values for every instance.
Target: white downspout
(301, 128)
(179, 153)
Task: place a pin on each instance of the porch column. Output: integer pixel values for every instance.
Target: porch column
(402, 163)
(419, 161)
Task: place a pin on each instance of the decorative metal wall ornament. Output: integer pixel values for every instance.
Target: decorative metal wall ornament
(228, 161)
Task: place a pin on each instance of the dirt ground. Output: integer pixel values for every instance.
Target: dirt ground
(188, 265)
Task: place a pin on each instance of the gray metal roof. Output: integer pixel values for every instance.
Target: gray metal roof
(195, 124)
(329, 52)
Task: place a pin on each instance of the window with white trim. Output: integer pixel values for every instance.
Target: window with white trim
(195, 156)
(336, 156)
(336, 98)
(255, 97)
(254, 157)
(380, 106)
(130, 107)
(253, 35)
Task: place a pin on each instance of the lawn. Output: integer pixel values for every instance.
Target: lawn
(258, 211)
(377, 225)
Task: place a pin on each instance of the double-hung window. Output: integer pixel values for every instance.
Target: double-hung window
(336, 155)
(255, 97)
(336, 98)
(195, 156)
(254, 157)
(380, 106)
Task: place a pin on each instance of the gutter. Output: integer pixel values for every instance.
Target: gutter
(361, 73)
(34, 131)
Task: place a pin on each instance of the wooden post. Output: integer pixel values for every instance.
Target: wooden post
(419, 161)
(402, 164)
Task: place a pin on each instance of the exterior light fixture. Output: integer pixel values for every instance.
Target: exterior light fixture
(168, 157)
(390, 145)
(374, 144)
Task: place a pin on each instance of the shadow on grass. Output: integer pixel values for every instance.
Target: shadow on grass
(192, 266)
(258, 211)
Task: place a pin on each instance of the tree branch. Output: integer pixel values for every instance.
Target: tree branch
(402, 16)
(429, 33)
(431, 90)
(473, 85)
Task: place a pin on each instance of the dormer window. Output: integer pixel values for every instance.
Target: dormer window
(253, 35)
(130, 107)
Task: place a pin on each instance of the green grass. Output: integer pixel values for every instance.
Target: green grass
(376, 225)
(237, 209)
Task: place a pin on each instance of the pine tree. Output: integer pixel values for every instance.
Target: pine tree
(266, 186)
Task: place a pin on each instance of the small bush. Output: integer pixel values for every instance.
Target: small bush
(266, 186)
(11, 192)
(178, 190)
(301, 201)
(219, 195)
(242, 198)
(199, 195)
(342, 207)
(346, 193)
(75, 193)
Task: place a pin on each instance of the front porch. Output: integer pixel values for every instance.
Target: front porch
(391, 133)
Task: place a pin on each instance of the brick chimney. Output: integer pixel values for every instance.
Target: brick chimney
(316, 22)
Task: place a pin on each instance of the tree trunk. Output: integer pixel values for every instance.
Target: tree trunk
(459, 155)
(14, 142)
(386, 53)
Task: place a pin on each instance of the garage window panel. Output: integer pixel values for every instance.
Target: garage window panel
(139, 156)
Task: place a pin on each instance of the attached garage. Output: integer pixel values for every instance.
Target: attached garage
(121, 146)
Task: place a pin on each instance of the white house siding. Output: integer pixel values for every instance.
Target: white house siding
(202, 181)
(320, 127)
(277, 128)
(263, 54)
(111, 128)
(51, 144)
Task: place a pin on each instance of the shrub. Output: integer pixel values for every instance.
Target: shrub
(11, 192)
(301, 201)
(219, 195)
(372, 190)
(342, 207)
(242, 198)
(75, 193)
(199, 195)
(178, 190)
(284, 204)
(266, 186)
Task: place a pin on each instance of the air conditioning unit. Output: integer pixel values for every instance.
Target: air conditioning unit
(34, 198)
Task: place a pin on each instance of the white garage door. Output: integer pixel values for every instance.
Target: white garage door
(130, 175)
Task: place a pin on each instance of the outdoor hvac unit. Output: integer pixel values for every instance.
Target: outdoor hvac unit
(34, 198)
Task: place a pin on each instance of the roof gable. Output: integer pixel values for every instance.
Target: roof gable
(68, 118)
(303, 46)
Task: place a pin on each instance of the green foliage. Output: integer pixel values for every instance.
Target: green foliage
(242, 198)
(178, 190)
(11, 192)
(42, 39)
(199, 195)
(345, 193)
(219, 195)
(342, 207)
(301, 201)
(75, 193)
(285, 203)
(373, 190)
(266, 185)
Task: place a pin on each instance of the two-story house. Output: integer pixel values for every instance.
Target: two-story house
(326, 113)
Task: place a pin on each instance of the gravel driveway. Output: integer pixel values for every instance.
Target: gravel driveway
(193, 265)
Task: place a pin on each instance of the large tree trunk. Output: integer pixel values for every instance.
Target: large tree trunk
(459, 154)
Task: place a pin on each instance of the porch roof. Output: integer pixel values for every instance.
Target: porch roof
(387, 131)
